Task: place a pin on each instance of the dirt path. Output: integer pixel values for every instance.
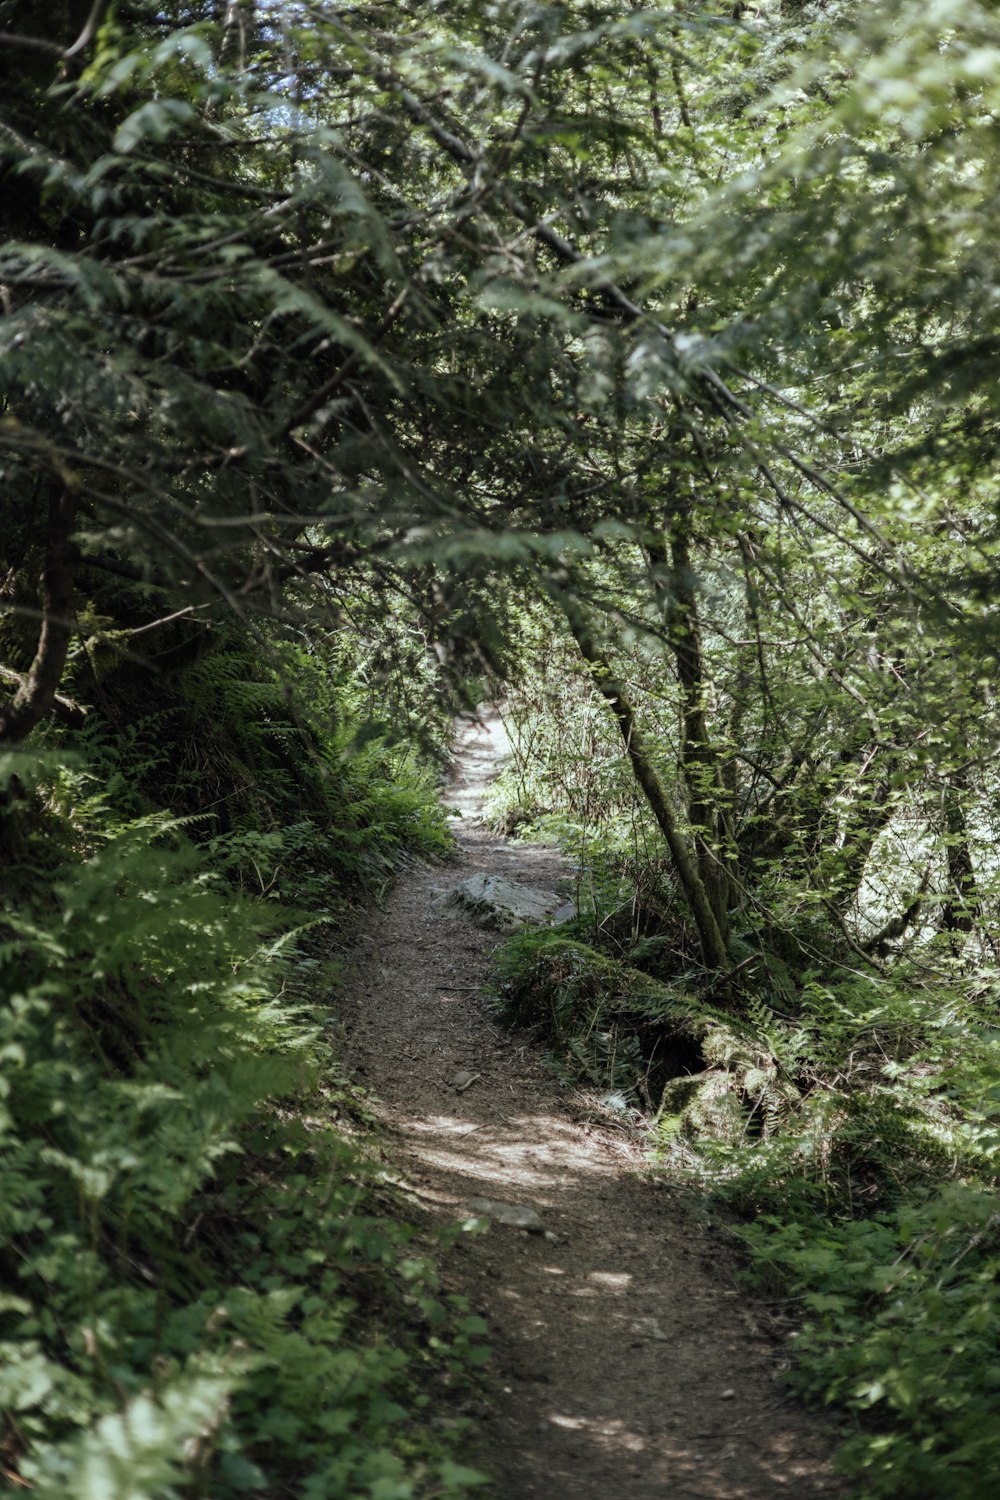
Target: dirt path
(627, 1363)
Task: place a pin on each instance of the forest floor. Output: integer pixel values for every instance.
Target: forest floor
(627, 1359)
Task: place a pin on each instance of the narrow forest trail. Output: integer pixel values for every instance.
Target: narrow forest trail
(626, 1362)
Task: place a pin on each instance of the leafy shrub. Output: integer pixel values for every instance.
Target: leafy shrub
(292, 804)
(903, 1327)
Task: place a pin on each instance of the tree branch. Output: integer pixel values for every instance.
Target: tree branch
(36, 694)
(66, 710)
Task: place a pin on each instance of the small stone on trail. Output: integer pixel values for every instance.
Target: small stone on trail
(464, 1079)
(650, 1329)
(515, 1215)
(495, 902)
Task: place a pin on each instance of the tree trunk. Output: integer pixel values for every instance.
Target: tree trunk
(961, 906)
(713, 943)
(708, 797)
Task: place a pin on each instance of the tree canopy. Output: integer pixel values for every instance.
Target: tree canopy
(488, 297)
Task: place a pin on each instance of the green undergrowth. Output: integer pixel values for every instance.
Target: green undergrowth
(850, 1124)
(901, 1326)
(296, 799)
(608, 1023)
(206, 1286)
(875, 1205)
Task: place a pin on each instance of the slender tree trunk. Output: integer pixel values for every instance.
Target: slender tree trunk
(238, 19)
(713, 943)
(961, 907)
(709, 801)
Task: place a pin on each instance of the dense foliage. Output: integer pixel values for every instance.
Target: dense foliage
(206, 1290)
(355, 361)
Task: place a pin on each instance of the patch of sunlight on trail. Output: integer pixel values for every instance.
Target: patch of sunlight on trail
(527, 1151)
(612, 1434)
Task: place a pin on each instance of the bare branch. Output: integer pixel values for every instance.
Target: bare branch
(36, 694)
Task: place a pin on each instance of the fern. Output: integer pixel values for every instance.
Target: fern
(152, 1450)
(161, 1201)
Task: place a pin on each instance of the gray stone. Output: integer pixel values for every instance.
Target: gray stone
(464, 1079)
(650, 1329)
(496, 902)
(516, 1215)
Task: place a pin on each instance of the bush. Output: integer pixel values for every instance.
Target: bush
(611, 1025)
(903, 1328)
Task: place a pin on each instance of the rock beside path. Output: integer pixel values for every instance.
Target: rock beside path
(506, 904)
(515, 1215)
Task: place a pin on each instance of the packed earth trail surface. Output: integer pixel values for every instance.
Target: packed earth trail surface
(627, 1361)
